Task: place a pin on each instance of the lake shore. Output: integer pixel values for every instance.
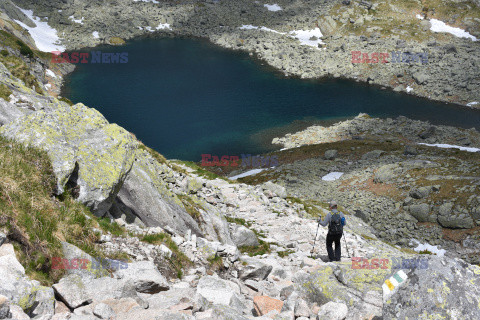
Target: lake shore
(287, 39)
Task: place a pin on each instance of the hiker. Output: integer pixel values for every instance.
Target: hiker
(335, 220)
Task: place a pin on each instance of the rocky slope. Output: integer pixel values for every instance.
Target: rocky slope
(392, 176)
(451, 73)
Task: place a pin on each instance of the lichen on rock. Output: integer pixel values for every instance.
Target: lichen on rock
(84, 148)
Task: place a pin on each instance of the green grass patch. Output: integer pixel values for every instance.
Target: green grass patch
(112, 227)
(192, 208)
(262, 248)
(201, 171)
(239, 221)
(5, 92)
(215, 262)
(425, 252)
(259, 250)
(116, 41)
(24, 49)
(178, 261)
(367, 237)
(157, 156)
(13, 42)
(66, 100)
(285, 253)
(19, 69)
(35, 221)
(119, 255)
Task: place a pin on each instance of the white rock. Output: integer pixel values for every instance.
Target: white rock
(165, 251)
(103, 311)
(145, 275)
(332, 311)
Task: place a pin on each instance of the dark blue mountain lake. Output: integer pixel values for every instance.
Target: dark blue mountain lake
(187, 97)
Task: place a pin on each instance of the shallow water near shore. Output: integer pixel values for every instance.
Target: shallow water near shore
(187, 97)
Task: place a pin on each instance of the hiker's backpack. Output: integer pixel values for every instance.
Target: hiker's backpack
(335, 226)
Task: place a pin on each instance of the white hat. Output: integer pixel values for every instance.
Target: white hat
(333, 203)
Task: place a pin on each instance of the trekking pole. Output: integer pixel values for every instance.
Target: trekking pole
(346, 247)
(314, 240)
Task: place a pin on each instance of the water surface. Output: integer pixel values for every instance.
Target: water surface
(186, 97)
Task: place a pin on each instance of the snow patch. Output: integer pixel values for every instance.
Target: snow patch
(471, 104)
(451, 146)
(164, 26)
(440, 26)
(246, 174)
(153, 1)
(95, 34)
(50, 73)
(76, 20)
(304, 36)
(332, 176)
(45, 37)
(272, 7)
(250, 27)
(48, 86)
(161, 26)
(409, 89)
(429, 247)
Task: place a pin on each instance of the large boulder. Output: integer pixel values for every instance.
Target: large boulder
(33, 298)
(447, 289)
(373, 155)
(265, 304)
(276, 189)
(360, 289)
(243, 236)
(4, 307)
(146, 194)
(76, 291)
(327, 25)
(420, 77)
(15, 13)
(332, 311)
(387, 173)
(145, 276)
(88, 270)
(449, 218)
(145, 197)
(331, 154)
(254, 269)
(86, 151)
(8, 112)
(422, 212)
(215, 291)
(220, 312)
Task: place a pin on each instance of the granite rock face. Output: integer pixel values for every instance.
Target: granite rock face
(29, 295)
(447, 288)
(85, 149)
